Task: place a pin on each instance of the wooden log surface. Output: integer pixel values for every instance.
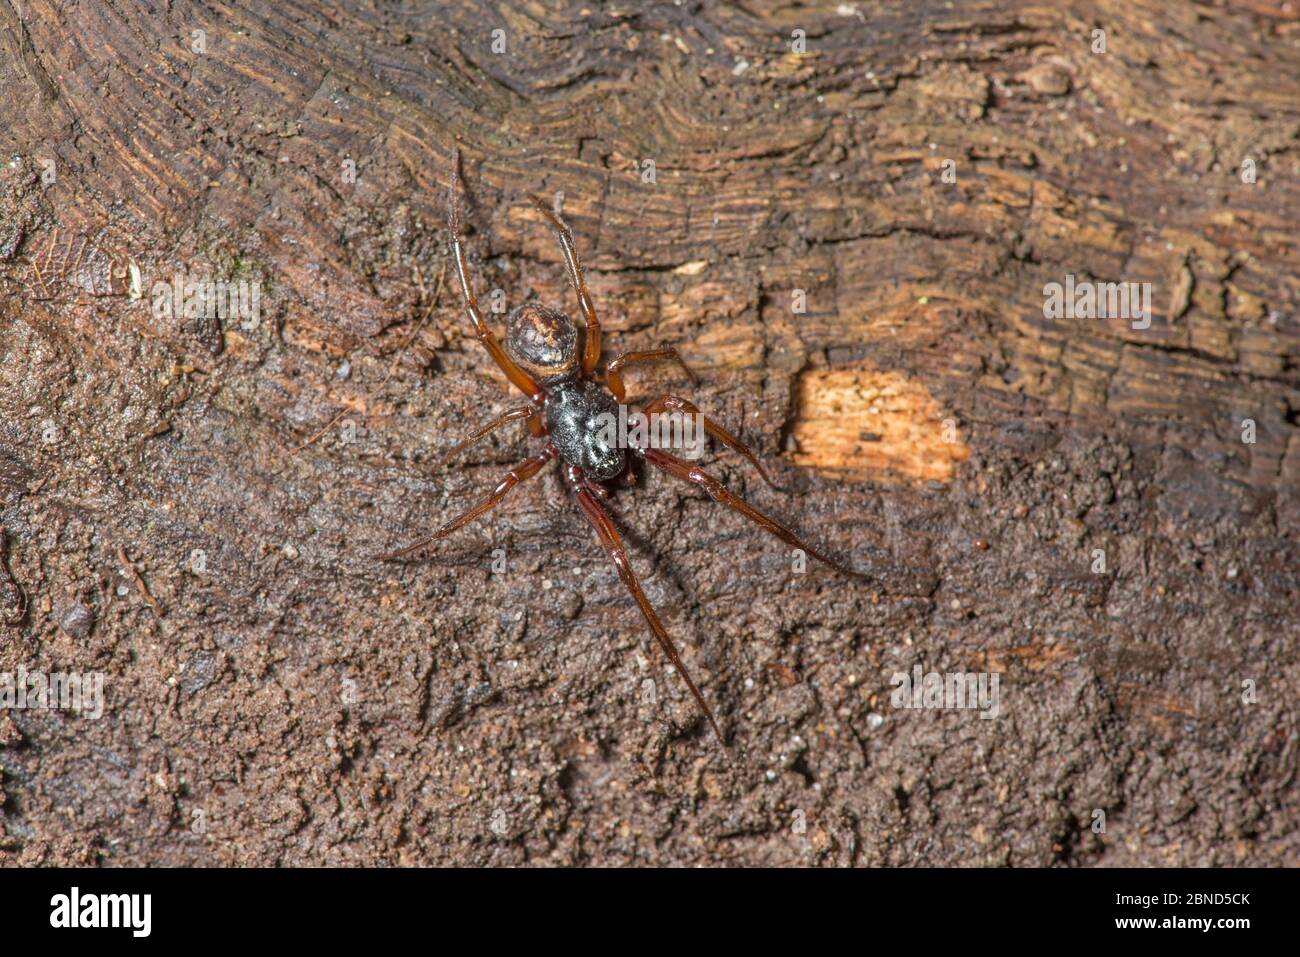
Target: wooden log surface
(845, 217)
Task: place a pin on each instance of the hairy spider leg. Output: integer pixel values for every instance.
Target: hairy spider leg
(520, 473)
(613, 545)
(719, 493)
(673, 403)
(591, 351)
(614, 373)
(521, 379)
(529, 412)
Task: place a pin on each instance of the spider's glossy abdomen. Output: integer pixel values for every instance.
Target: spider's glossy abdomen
(583, 422)
(544, 341)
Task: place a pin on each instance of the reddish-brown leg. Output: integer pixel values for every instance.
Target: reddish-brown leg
(591, 351)
(613, 545)
(673, 403)
(528, 412)
(614, 368)
(719, 493)
(514, 477)
(521, 379)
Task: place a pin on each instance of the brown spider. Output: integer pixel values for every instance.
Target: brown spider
(544, 355)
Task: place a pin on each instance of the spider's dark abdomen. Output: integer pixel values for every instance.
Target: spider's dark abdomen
(583, 421)
(542, 340)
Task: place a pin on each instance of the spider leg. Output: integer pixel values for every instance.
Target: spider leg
(595, 488)
(613, 545)
(719, 493)
(591, 351)
(674, 404)
(528, 412)
(516, 475)
(521, 379)
(614, 373)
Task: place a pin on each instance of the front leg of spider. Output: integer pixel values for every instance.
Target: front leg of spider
(612, 542)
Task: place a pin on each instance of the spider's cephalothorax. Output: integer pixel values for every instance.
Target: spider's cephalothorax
(582, 418)
(552, 361)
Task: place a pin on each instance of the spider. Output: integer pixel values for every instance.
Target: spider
(552, 362)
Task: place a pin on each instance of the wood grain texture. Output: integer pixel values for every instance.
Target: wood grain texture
(914, 177)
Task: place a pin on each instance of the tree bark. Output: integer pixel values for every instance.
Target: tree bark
(848, 219)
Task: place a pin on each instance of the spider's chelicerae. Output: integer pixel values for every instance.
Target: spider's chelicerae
(552, 363)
